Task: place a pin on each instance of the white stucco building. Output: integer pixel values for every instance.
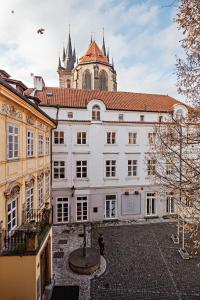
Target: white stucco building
(99, 148)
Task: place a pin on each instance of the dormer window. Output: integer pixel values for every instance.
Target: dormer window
(96, 113)
(141, 118)
(179, 114)
(121, 117)
(160, 119)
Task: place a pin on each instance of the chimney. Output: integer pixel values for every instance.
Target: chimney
(38, 83)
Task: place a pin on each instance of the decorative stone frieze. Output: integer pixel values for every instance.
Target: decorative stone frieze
(11, 111)
(30, 120)
(12, 190)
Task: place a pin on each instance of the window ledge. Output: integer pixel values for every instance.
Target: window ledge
(59, 179)
(132, 177)
(96, 122)
(111, 178)
(151, 217)
(59, 145)
(81, 145)
(13, 159)
(111, 144)
(81, 179)
(133, 145)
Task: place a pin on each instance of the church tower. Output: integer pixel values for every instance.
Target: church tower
(66, 67)
(93, 70)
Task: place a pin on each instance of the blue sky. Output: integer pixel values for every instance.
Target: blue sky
(141, 36)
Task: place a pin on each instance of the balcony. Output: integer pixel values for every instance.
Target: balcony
(28, 238)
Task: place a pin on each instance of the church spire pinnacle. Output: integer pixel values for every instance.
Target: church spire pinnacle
(69, 61)
(103, 45)
(59, 63)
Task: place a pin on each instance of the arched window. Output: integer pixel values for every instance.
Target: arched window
(12, 195)
(96, 113)
(87, 82)
(103, 81)
(68, 83)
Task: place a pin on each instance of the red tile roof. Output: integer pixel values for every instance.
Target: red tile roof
(75, 98)
(94, 54)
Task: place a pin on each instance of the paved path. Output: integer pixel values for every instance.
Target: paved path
(143, 263)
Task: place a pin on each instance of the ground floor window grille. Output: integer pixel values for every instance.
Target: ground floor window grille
(62, 210)
(110, 207)
(12, 212)
(151, 203)
(81, 208)
(170, 205)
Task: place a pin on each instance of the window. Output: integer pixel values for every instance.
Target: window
(81, 138)
(111, 137)
(110, 168)
(81, 208)
(110, 207)
(132, 137)
(96, 113)
(40, 191)
(47, 186)
(58, 169)
(169, 168)
(58, 137)
(29, 201)
(30, 143)
(141, 118)
(160, 119)
(151, 137)
(13, 142)
(12, 212)
(81, 169)
(40, 144)
(62, 210)
(170, 205)
(70, 114)
(87, 81)
(151, 203)
(121, 117)
(68, 83)
(132, 167)
(103, 81)
(151, 167)
(47, 145)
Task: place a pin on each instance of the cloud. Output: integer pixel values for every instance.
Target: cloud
(142, 40)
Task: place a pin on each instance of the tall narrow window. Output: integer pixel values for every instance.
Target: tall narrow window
(151, 137)
(81, 209)
(40, 144)
(110, 168)
(132, 138)
(81, 169)
(47, 146)
(62, 210)
(151, 203)
(12, 212)
(132, 168)
(169, 168)
(151, 167)
(29, 201)
(30, 143)
(110, 207)
(170, 205)
(87, 81)
(111, 137)
(47, 186)
(40, 191)
(81, 138)
(96, 113)
(13, 142)
(58, 169)
(103, 80)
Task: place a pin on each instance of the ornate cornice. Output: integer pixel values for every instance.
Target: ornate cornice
(30, 120)
(12, 190)
(11, 111)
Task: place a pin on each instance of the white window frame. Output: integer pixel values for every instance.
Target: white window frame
(111, 137)
(81, 169)
(82, 216)
(47, 186)
(60, 167)
(63, 210)
(169, 168)
(81, 138)
(40, 144)
(132, 167)
(113, 199)
(12, 211)
(47, 145)
(29, 201)
(150, 198)
(132, 138)
(151, 137)
(96, 113)
(30, 143)
(58, 137)
(151, 167)
(40, 191)
(13, 141)
(110, 168)
(170, 204)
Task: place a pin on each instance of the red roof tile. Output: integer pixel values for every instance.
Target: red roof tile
(76, 98)
(94, 54)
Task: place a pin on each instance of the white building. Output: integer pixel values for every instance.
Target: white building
(99, 148)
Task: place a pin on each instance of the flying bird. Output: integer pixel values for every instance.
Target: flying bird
(40, 31)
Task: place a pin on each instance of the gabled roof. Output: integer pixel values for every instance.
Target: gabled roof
(75, 98)
(94, 54)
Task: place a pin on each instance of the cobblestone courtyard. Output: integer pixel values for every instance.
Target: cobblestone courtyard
(143, 263)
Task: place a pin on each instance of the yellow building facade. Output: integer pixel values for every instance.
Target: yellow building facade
(25, 197)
